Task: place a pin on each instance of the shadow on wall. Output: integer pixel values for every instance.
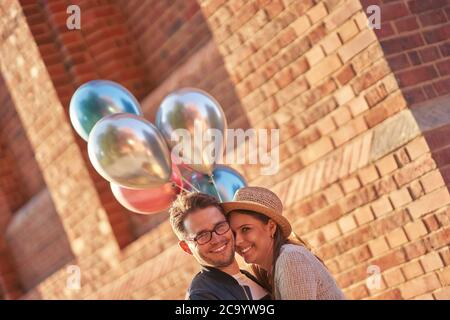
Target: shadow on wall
(37, 241)
(151, 47)
(414, 39)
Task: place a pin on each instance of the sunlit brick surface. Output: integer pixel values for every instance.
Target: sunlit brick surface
(362, 114)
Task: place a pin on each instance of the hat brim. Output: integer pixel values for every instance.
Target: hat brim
(282, 222)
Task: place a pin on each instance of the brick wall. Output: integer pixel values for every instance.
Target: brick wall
(357, 177)
(363, 173)
(168, 33)
(60, 161)
(415, 38)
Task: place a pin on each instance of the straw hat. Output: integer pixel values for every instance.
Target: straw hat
(260, 200)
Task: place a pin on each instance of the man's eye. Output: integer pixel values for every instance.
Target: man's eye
(201, 236)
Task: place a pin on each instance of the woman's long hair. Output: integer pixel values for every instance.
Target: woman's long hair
(267, 278)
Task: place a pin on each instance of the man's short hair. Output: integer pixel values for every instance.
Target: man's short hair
(187, 203)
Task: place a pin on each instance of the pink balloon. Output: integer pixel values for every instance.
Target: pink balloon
(146, 201)
(176, 177)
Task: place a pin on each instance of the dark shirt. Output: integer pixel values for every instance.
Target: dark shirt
(212, 284)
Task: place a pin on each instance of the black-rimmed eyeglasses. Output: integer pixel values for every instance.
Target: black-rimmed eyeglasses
(205, 237)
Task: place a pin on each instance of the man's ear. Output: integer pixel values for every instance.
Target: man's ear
(184, 246)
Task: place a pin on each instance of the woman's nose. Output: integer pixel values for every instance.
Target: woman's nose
(237, 238)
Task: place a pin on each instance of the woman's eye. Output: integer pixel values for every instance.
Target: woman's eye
(245, 229)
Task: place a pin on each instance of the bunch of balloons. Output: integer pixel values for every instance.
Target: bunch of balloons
(136, 156)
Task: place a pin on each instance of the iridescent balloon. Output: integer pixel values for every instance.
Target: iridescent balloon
(145, 201)
(96, 99)
(226, 179)
(129, 151)
(151, 200)
(194, 111)
(202, 183)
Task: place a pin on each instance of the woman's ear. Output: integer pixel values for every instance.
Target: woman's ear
(272, 228)
(184, 246)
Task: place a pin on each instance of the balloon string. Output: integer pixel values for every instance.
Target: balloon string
(215, 186)
(188, 168)
(188, 183)
(182, 188)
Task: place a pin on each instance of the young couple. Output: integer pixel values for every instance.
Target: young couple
(253, 226)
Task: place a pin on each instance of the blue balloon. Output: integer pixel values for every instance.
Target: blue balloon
(96, 99)
(226, 179)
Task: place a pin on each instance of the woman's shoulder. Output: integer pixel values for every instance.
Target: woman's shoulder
(298, 253)
(296, 249)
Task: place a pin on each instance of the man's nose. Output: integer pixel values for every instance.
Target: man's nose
(215, 238)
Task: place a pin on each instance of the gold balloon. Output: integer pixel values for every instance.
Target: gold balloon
(129, 151)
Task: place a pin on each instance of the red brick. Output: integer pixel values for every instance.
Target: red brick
(358, 292)
(400, 197)
(420, 286)
(378, 246)
(417, 75)
(384, 186)
(386, 165)
(381, 207)
(347, 223)
(443, 294)
(431, 262)
(442, 87)
(387, 108)
(274, 8)
(407, 24)
(402, 44)
(429, 54)
(429, 202)
(414, 170)
(438, 34)
(397, 237)
(391, 259)
(350, 184)
(415, 230)
(444, 67)
(412, 269)
(393, 294)
(417, 147)
(432, 181)
(398, 62)
(393, 277)
(419, 6)
(432, 18)
(333, 193)
(368, 174)
(431, 223)
(345, 75)
(317, 13)
(356, 45)
(444, 276)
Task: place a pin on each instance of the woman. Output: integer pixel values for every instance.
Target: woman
(279, 259)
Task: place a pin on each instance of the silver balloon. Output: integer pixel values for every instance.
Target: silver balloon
(129, 151)
(97, 99)
(196, 112)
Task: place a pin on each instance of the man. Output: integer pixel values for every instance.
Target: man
(203, 230)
